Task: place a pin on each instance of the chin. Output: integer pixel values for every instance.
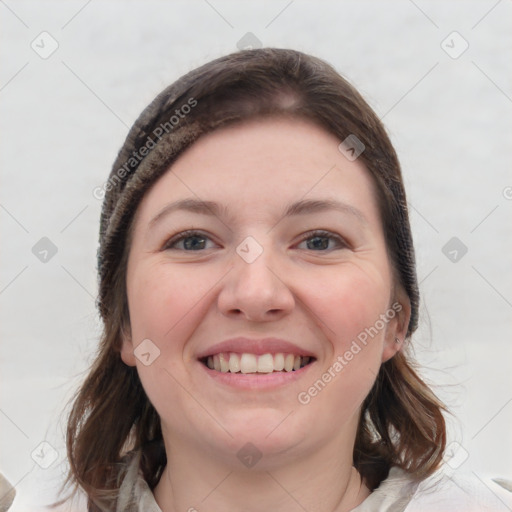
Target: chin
(273, 432)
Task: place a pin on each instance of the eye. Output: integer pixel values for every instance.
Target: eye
(189, 240)
(320, 241)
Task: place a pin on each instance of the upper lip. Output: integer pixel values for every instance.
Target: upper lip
(255, 346)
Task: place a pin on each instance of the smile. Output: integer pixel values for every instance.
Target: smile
(246, 363)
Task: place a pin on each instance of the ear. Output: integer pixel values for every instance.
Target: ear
(396, 330)
(127, 349)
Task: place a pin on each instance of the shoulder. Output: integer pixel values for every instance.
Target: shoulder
(449, 491)
(445, 491)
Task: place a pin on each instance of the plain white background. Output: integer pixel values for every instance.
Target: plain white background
(64, 117)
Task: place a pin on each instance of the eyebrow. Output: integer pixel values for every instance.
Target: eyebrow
(302, 207)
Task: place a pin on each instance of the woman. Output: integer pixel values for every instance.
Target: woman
(258, 291)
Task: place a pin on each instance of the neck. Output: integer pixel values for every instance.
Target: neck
(318, 482)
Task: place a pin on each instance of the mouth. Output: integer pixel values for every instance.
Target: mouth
(248, 363)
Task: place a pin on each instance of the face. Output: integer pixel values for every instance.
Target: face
(259, 278)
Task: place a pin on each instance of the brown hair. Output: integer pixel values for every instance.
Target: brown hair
(401, 420)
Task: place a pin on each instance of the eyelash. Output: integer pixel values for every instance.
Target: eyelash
(342, 244)
(306, 236)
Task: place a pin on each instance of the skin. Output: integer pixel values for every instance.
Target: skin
(185, 301)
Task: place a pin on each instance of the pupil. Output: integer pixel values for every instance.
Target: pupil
(193, 246)
(319, 242)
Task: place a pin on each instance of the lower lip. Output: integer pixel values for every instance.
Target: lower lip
(256, 380)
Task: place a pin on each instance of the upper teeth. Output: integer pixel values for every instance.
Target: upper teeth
(251, 363)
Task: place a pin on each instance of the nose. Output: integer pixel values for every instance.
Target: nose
(255, 290)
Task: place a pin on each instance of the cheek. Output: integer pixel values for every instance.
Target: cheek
(166, 302)
(350, 301)
(349, 306)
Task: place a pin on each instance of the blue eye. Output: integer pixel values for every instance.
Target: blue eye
(192, 241)
(319, 241)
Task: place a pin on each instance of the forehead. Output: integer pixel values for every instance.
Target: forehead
(256, 166)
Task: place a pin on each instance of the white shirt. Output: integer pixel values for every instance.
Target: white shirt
(443, 492)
